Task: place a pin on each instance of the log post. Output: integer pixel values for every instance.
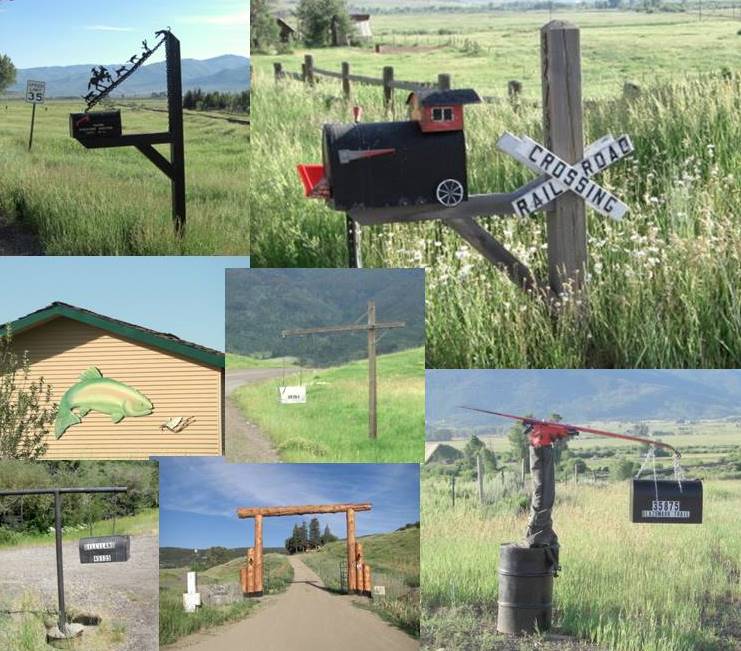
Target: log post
(443, 81)
(563, 135)
(480, 477)
(372, 380)
(367, 585)
(358, 568)
(309, 69)
(350, 550)
(388, 90)
(250, 573)
(278, 70)
(346, 80)
(258, 555)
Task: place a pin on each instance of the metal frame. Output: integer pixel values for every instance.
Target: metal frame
(57, 493)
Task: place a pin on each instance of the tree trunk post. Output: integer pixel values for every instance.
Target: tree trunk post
(563, 135)
(309, 69)
(258, 554)
(350, 515)
(346, 80)
(443, 81)
(372, 379)
(388, 90)
(277, 70)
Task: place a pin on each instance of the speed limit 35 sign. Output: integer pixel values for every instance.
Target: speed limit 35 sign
(35, 91)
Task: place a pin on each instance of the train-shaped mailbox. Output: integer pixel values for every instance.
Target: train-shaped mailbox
(419, 161)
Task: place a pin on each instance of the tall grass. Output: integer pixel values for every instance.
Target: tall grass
(662, 284)
(114, 201)
(625, 587)
(333, 424)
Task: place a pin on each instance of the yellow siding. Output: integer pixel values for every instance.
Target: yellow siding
(62, 349)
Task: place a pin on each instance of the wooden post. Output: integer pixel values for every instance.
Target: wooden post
(309, 69)
(278, 70)
(576, 474)
(443, 81)
(33, 122)
(350, 514)
(346, 80)
(258, 555)
(250, 573)
(480, 474)
(452, 488)
(388, 90)
(372, 388)
(358, 568)
(352, 230)
(524, 470)
(563, 135)
(367, 585)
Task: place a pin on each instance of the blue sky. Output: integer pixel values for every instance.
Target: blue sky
(53, 32)
(199, 498)
(180, 295)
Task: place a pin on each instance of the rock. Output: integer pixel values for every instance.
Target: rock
(63, 639)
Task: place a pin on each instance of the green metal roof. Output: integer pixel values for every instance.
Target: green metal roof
(161, 340)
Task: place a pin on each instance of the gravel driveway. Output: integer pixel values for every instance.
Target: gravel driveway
(125, 594)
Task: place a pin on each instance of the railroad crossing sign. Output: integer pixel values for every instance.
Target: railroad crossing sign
(576, 178)
(35, 91)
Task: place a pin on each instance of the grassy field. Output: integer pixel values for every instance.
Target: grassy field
(661, 283)
(333, 424)
(235, 361)
(146, 521)
(114, 201)
(623, 587)
(394, 562)
(175, 623)
(486, 50)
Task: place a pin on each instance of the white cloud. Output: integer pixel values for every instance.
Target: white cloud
(236, 19)
(107, 28)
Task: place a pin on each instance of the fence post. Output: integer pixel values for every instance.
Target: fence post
(576, 474)
(480, 474)
(524, 471)
(563, 134)
(346, 79)
(452, 488)
(443, 81)
(309, 69)
(388, 91)
(278, 70)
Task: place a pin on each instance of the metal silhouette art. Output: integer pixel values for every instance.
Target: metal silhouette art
(99, 129)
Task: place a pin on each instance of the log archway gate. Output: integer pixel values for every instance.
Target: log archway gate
(252, 574)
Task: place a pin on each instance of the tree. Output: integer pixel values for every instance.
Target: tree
(625, 469)
(7, 72)
(263, 26)
(475, 447)
(561, 444)
(518, 441)
(323, 22)
(315, 536)
(327, 536)
(27, 412)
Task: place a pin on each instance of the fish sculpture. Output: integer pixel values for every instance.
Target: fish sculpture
(97, 393)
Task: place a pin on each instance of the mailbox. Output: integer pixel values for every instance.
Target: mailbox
(419, 161)
(666, 501)
(95, 124)
(105, 549)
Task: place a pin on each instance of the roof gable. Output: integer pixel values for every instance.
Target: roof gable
(161, 340)
(437, 97)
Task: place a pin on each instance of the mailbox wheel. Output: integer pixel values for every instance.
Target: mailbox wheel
(449, 192)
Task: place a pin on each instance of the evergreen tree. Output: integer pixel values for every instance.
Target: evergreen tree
(319, 20)
(315, 536)
(7, 72)
(263, 26)
(327, 536)
(518, 441)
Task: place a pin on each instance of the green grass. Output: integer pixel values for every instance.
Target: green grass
(662, 283)
(114, 201)
(144, 522)
(616, 46)
(333, 424)
(236, 361)
(623, 586)
(175, 623)
(394, 563)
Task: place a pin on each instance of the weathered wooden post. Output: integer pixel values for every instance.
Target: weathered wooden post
(309, 69)
(372, 380)
(576, 474)
(350, 515)
(480, 476)
(346, 80)
(562, 128)
(278, 70)
(443, 81)
(523, 471)
(358, 567)
(258, 554)
(367, 584)
(452, 488)
(388, 88)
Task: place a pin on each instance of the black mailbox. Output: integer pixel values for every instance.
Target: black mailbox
(105, 549)
(666, 501)
(95, 124)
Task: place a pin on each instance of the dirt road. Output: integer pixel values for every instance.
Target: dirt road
(305, 617)
(123, 594)
(244, 440)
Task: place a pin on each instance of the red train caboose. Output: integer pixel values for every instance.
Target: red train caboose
(385, 164)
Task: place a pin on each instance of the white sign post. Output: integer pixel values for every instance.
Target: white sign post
(35, 92)
(292, 395)
(192, 598)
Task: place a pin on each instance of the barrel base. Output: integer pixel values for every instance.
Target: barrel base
(525, 589)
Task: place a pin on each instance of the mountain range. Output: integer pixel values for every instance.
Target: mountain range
(580, 396)
(226, 73)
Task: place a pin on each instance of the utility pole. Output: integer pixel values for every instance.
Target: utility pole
(372, 327)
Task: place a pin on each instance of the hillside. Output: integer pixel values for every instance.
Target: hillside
(174, 557)
(333, 424)
(226, 73)
(262, 303)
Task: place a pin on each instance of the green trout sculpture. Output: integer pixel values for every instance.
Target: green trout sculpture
(96, 393)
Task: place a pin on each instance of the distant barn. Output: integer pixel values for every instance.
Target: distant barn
(362, 25)
(287, 32)
(443, 453)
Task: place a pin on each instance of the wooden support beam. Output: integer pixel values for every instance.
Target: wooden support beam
(258, 554)
(388, 87)
(276, 511)
(347, 328)
(351, 550)
(563, 135)
(372, 376)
